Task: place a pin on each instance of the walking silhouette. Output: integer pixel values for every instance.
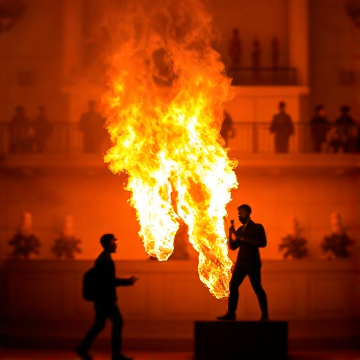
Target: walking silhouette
(105, 306)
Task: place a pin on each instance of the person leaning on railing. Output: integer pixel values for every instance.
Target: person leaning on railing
(282, 127)
(342, 136)
(21, 132)
(92, 126)
(42, 129)
(227, 130)
(319, 127)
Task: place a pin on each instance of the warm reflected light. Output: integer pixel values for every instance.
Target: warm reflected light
(164, 109)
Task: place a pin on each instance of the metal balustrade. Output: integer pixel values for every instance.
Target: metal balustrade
(249, 138)
(248, 76)
(66, 138)
(256, 138)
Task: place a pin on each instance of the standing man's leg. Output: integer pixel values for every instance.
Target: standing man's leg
(255, 280)
(237, 278)
(117, 326)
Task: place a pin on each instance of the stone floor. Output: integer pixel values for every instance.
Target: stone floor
(13, 354)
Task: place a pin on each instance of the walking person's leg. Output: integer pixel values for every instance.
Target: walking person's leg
(255, 280)
(116, 335)
(99, 324)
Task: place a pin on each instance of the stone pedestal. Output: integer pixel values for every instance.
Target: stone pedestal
(248, 340)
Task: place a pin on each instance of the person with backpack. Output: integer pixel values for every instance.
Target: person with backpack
(100, 285)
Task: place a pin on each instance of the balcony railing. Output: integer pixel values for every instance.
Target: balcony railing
(65, 138)
(256, 138)
(248, 76)
(242, 138)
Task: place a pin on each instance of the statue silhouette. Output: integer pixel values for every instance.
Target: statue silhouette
(249, 237)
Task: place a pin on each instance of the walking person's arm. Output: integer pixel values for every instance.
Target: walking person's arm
(125, 281)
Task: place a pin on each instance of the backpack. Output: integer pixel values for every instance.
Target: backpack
(90, 285)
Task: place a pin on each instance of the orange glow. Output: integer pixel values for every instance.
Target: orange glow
(164, 110)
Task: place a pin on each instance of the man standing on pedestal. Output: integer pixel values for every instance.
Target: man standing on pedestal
(249, 237)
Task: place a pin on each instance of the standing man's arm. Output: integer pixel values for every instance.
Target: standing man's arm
(256, 237)
(234, 241)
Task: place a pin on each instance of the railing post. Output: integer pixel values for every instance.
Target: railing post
(302, 138)
(255, 138)
(4, 138)
(68, 137)
(294, 76)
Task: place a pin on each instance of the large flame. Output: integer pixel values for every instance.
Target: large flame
(164, 109)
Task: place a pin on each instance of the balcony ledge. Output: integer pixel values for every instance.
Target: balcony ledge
(337, 164)
(273, 164)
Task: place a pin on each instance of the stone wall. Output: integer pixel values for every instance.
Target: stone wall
(334, 57)
(275, 187)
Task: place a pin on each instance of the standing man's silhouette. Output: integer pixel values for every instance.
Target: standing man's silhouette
(249, 237)
(282, 127)
(319, 126)
(92, 126)
(105, 301)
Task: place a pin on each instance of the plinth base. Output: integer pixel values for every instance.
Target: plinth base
(246, 340)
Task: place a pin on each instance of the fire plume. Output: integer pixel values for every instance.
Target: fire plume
(164, 109)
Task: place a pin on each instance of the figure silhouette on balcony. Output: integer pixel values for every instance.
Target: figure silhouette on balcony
(256, 57)
(227, 130)
(92, 126)
(181, 241)
(319, 127)
(275, 53)
(235, 49)
(345, 127)
(43, 129)
(21, 132)
(282, 127)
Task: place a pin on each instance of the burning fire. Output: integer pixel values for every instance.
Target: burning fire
(164, 110)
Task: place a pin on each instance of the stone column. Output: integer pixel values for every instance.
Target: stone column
(72, 22)
(298, 28)
(75, 84)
